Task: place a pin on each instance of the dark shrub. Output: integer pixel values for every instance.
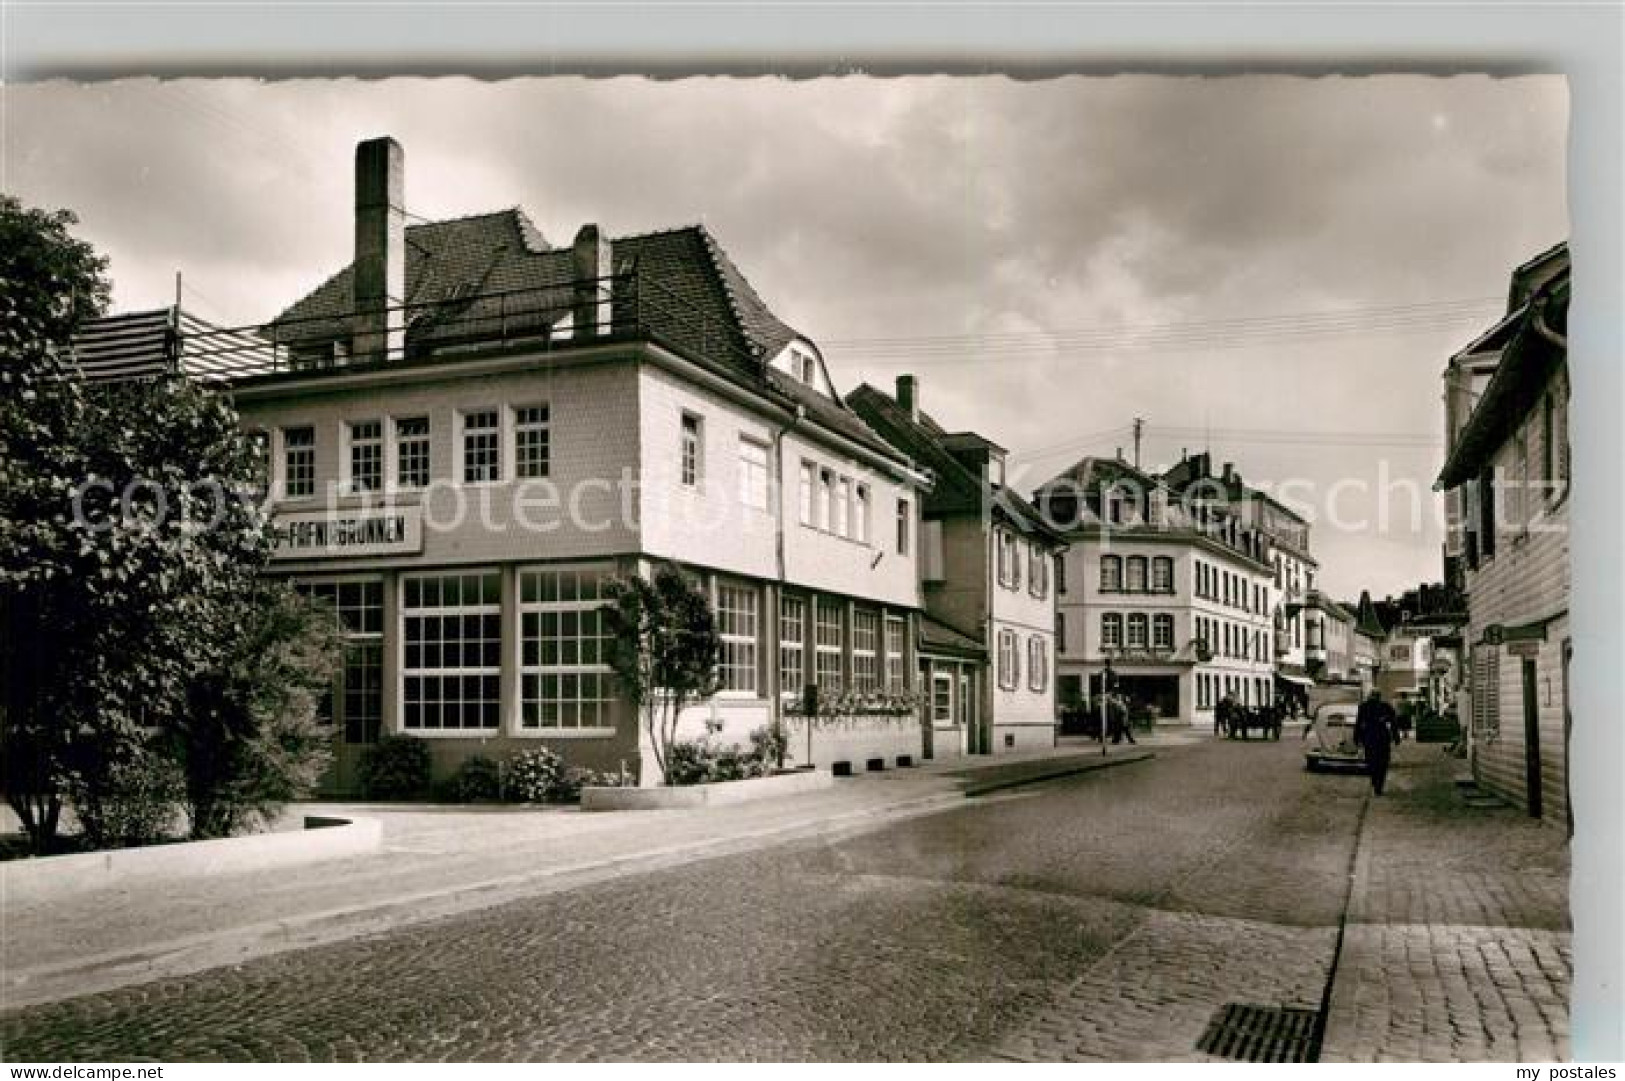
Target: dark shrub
(477, 778)
(135, 801)
(396, 767)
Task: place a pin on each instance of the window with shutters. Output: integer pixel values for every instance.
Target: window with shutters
(1009, 661)
(1487, 691)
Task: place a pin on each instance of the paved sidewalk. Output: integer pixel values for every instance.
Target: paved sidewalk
(1456, 946)
(441, 860)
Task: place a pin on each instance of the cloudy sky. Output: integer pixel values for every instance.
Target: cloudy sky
(1274, 268)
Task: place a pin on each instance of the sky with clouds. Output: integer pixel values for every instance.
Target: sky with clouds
(1271, 267)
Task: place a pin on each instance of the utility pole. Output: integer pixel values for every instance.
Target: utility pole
(1139, 423)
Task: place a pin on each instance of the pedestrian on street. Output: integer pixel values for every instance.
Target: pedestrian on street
(1375, 726)
(1117, 710)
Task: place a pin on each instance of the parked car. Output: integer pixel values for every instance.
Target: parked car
(1331, 738)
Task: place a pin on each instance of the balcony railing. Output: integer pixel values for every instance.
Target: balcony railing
(585, 311)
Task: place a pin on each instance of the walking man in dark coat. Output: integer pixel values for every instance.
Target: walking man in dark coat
(1374, 728)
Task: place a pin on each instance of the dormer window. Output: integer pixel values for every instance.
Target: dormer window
(803, 367)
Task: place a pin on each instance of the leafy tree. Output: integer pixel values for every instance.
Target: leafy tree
(127, 542)
(664, 650)
(247, 738)
(52, 280)
(49, 281)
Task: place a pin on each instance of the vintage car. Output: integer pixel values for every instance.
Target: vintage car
(1331, 735)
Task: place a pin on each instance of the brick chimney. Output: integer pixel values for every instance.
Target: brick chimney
(591, 308)
(380, 249)
(908, 396)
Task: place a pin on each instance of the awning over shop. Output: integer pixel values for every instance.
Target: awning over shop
(1301, 681)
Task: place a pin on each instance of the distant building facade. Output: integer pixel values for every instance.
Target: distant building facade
(1172, 595)
(988, 581)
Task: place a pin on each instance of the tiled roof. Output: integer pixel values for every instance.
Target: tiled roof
(956, 489)
(691, 298)
(938, 637)
(694, 294)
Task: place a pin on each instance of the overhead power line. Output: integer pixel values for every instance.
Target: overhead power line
(1168, 337)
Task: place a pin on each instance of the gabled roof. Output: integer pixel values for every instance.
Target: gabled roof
(1534, 351)
(956, 489)
(1367, 621)
(1091, 474)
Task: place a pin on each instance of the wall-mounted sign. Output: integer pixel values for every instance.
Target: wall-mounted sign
(328, 534)
(1523, 647)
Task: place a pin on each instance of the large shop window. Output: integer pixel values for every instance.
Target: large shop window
(453, 666)
(830, 640)
(737, 608)
(356, 699)
(564, 675)
(792, 644)
(865, 651)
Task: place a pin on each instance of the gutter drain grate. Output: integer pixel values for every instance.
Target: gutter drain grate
(1263, 1034)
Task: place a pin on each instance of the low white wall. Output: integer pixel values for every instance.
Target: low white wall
(856, 740)
(719, 794)
(1023, 737)
(31, 881)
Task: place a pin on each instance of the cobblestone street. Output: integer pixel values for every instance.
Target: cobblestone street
(1102, 917)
